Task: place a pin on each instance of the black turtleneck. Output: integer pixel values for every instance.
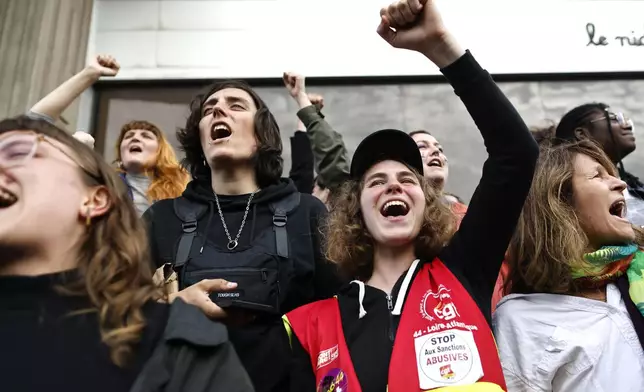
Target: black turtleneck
(45, 348)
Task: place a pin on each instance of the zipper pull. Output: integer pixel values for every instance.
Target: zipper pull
(264, 276)
(390, 303)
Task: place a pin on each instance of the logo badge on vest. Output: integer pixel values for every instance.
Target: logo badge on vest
(438, 305)
(327, 356)
(447, 358)
(334, 381)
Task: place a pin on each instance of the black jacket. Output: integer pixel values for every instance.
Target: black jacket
(194, 355)
(50, 342)
(302, 172)
(263, 345)
(476, 251)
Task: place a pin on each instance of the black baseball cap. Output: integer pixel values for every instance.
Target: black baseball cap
(383, 145)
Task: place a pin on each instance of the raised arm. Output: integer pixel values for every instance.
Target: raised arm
(330, 155)
(480, 243)
(55, 103)
(302, 161)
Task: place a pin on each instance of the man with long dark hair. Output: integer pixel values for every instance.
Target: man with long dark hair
(238, 220)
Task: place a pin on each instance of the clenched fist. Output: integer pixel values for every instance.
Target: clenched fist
(317, 100)
(104, 65)
(294, 84)
(417, 25)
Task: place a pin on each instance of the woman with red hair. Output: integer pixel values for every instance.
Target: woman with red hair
(144, 158)
(147, 163)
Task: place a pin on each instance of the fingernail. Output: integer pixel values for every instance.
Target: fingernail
(231, 285)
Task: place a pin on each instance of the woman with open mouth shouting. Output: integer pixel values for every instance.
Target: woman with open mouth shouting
(78, 306)
(148, 165)
(416, 316)
(144, 158)
(574, 319)
(614, 132)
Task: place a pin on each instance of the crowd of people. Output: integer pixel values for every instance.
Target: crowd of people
(361, 274)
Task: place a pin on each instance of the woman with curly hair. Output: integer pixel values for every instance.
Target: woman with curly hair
(78, 307)
(573, 320)
(144, 158)
(416, 316)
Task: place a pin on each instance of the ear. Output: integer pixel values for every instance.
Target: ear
(97, 203)
(581, 134)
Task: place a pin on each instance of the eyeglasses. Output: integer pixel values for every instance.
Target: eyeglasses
(621, 119)
(17, 149)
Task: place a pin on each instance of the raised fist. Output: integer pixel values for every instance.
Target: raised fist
(417, 23)
(104, 65)
(294, 84)
(317, 100)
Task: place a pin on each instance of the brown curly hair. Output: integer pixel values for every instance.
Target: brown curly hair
(169, 178)
(349, 244)
(114, 269)
(549, 240)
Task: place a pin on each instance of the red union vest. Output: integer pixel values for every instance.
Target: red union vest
(443, 342)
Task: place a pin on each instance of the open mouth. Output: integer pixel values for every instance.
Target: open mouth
(220, 131)
(7, 199)
(136, 148)
(618, 209)
(394, 208)
(435, 162)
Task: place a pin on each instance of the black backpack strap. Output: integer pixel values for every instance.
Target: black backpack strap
(189, 213)
(280, 210)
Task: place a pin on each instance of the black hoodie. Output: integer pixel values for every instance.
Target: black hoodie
(263, 345)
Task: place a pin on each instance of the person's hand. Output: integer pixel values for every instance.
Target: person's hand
(199, 295)
(317, 100)
(103, 65)
(417, 25)
(294, 84)
(84, 138)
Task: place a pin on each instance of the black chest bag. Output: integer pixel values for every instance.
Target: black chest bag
(260, 269)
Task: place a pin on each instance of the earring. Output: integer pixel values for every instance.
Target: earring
(88, 217)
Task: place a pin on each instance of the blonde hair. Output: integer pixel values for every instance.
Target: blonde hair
(349, 244)
(169, 178)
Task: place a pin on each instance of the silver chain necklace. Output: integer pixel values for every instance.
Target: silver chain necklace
(232, 244)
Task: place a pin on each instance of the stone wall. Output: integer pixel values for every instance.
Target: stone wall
(356, 111)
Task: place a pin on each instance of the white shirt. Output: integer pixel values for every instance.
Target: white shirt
(634, 210)
(561, 343)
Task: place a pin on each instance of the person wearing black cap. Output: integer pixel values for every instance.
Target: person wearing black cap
(417, 316)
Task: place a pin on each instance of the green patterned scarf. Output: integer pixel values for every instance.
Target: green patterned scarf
(610, 262)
